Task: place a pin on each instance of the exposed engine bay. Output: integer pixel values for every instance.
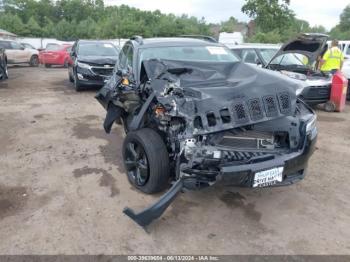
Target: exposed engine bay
(218, 121)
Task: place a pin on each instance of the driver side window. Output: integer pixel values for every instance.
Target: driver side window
(129, 57)
(16, 46)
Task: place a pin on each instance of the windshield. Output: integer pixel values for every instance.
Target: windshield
(97, 49)
(189, 53)
(290, 59)
(267, 54)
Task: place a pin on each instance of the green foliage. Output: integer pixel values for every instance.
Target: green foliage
(89, 19)
(276, 23)
(269, 15)
(12, 23)
(32, 26)
(344, 24)
(270, 37)
(73, 19)
(342, 30)
(229, 25)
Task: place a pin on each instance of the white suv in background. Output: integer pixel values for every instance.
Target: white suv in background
(19, 54)
(345, 47)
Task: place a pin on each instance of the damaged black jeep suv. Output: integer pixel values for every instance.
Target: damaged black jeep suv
(195, 115)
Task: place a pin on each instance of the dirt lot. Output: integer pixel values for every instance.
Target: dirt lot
(63, 188)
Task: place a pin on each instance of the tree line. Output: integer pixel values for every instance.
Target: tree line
(272, 21)
(276, 22)
(74, 19)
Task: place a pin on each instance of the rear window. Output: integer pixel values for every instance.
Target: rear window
(54, 47)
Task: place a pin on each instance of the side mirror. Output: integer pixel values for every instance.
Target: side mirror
(22, 47)
(258, 62)
(72, 54)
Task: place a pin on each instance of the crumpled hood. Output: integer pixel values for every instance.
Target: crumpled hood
(310, 45)
(250, 94)
(98, 60)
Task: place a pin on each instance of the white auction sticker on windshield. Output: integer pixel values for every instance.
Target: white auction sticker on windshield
(107, 45)
(216, 50)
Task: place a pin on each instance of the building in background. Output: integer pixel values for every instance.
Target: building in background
(234, 38)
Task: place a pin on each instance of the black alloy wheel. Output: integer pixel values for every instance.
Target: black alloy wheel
(146, 160)
(76, 82)
(136, 163)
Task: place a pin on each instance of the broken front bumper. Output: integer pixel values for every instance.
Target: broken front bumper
(314, 95)
(294, 164)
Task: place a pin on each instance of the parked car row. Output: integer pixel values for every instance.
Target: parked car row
(88, 62)
(19, 54)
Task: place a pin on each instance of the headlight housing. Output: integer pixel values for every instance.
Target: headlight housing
(297, 76)
(83, 65)
(311, 124)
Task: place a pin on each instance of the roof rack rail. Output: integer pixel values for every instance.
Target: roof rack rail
(137, 38)
(202, 37)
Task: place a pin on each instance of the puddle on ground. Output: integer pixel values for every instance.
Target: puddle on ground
(91, 118)
(112, 151)
(106, 180)
(40, 116)
(181, 206)
(12, 200)
(236, 200)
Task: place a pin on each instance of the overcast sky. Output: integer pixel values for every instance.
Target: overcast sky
(321, 12)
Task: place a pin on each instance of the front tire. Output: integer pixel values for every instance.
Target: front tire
(34, 61)
(65, 63)
(146, 160)
(71, 79)
(329, 106)
(77, 84)
(5, 70)
(47, 65)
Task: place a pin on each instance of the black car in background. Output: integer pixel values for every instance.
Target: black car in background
(92, 63)
(3, 65)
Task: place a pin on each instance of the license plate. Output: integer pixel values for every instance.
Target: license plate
(268, 177)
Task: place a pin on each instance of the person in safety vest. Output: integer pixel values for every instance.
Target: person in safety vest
(332, 60)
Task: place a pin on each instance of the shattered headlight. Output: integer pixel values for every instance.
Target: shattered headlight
(83, 65)
(297, 76)
(311, 124)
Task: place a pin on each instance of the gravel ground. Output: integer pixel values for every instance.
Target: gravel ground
(63, 187)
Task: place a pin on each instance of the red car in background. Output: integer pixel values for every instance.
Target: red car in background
(55, 55)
